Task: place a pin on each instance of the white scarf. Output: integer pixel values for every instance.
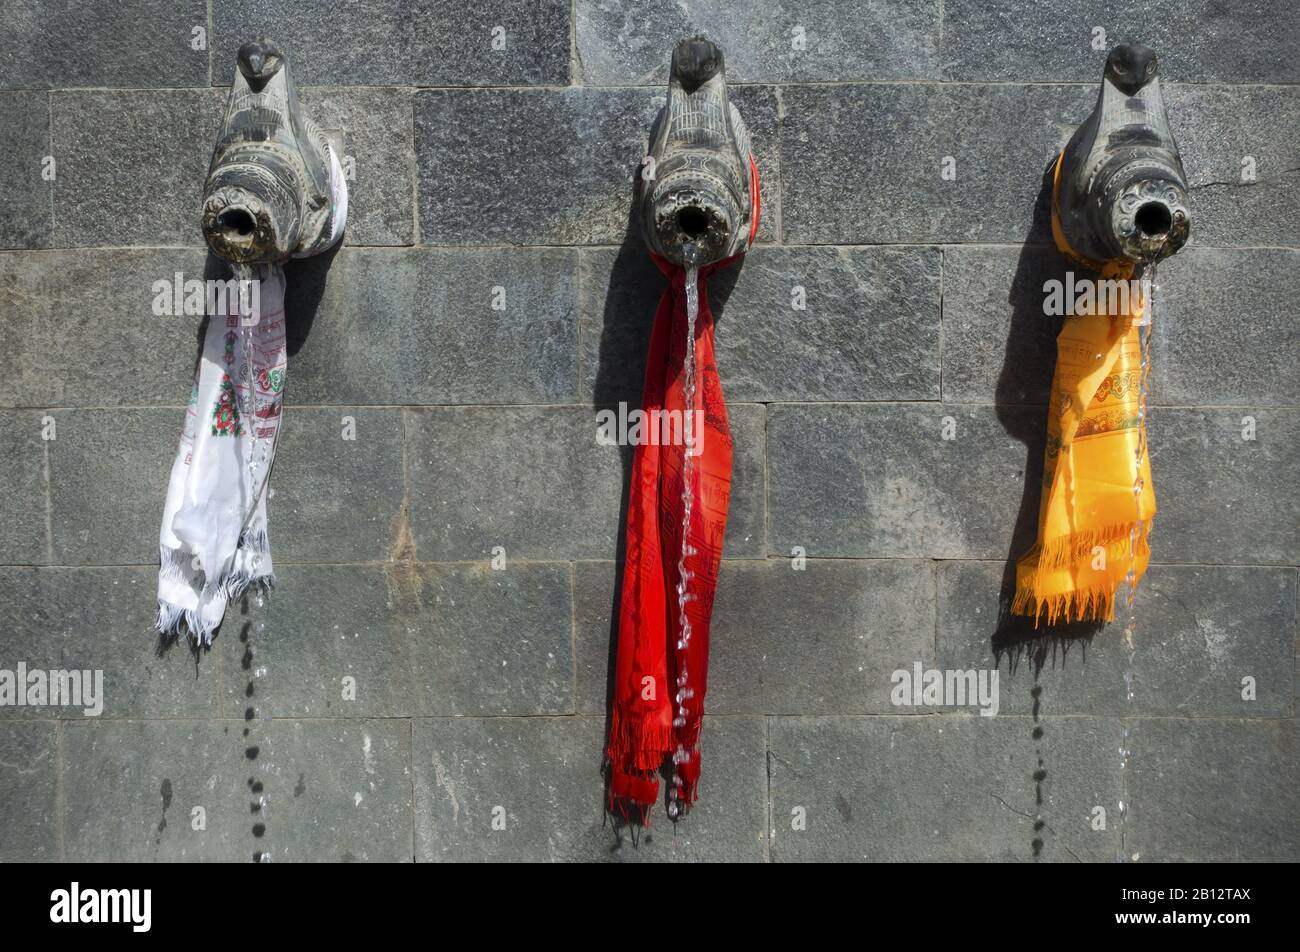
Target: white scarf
(214, 544)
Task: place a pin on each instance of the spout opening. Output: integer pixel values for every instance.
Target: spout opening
(236, 225)
(1154, 219)
(693, 221)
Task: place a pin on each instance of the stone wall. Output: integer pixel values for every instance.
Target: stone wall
(480, 694)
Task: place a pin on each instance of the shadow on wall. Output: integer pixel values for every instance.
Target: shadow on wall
(635, 286)
(1023, 386)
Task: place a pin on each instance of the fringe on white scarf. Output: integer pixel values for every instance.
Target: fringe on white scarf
(213, 545)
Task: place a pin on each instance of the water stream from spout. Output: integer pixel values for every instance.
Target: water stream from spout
(691, 254)
(1145, 322)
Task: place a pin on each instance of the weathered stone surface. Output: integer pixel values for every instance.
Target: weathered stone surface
(26, 209)
(489, 642)
(101, 619)
(622, 43)
(865, 164)
(856, 481)
(824, 639)
(550, 166)
(29, 806)
(142, 184)
(1000, 346)
(419, 327)
(137, 43)
(398, 43)
(108, 482)
(337, 484)
(870, 329)
(467, 774)
(378, 141)
(1017, 42)
(1222, 498)
(761, 108)
(469, 804)
(131, 789)
(1217, 128)
(338, 790)
(1208, 790)
(23, 534)
(595, 632)
(1200, 630)
(80, 328)
(328, 642)
(949, 788)
(540, 486)
(537, 485)
(1226, 332)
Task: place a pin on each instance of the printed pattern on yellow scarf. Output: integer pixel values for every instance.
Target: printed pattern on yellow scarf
(1098, 501)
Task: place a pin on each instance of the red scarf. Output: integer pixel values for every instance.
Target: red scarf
(645, 729)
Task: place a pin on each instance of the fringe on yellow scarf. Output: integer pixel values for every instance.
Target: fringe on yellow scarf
(1095, 516)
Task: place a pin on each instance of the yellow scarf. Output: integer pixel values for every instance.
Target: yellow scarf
(1095, 515)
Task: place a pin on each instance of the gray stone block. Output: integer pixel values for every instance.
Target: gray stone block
(418, 327)
(338, 790)
(1217, 127)
(1200, 630)
(468, 773)
(870, 330)
(336, 499)
(24, 538)
(865, 164)
(536, 484)
(621, 43)
(1017, 42)
(377, 138)
(29, 806)
(857, 481)
(329, 641)
(1000, 347)
(108, 483)
(132, 788)
(396, 43)
(467, 778)
(1213, 791)
(80, 328)
(946, 789)
(136, 43)
(512, 166)
(26, 208)
(1221, 498)
(142, 184)
(822, 640)
(101, 620)
(493, 643)
(551, 167)
(539, 485)
(595, 632)
(1225, 332)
